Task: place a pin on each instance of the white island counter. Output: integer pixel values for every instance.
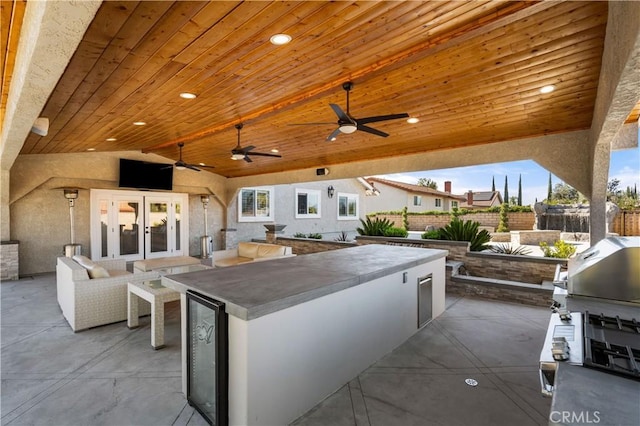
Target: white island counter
(301, 327)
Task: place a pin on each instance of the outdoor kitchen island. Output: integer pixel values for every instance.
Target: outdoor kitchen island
(301, 327)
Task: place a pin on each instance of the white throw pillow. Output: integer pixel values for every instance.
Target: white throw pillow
(93, 269)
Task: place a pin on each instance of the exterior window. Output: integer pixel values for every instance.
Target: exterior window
(417, 200)
(454, 204)
(307, 203)
(438, 202)
(255, 204)
(347, 206)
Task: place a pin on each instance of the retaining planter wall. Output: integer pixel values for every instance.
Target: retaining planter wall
(518, 221)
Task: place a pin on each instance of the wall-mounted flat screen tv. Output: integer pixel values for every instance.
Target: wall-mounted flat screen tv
(145, 175)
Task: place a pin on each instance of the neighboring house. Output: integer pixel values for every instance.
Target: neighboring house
(481, 200)
(396, 195)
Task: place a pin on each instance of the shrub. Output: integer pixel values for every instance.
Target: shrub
(396, 232)
(503, 225)
(299, 235)
(457, 230)
(560, 250)
(405, 218)
(430, 235)
(507, 249)
(344, 236)
(315, 236)
(374, 228)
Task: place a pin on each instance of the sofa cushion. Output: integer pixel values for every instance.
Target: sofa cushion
(270, 250)
(230, 261)
(246, 249)
(93, 269)
(164, 262)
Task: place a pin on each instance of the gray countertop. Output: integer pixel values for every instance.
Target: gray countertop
(589, 396)
(254, 289)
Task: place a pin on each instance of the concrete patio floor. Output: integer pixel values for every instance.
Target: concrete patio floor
(111, 375)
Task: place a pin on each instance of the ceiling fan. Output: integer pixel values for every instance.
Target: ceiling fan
(181, 165)
(239, 153)
(349, 124)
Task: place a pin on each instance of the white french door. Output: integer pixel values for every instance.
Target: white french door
(138, 225)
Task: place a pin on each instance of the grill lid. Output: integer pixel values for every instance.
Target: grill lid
(610, 269)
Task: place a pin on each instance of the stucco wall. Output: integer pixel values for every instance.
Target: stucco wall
(284, 211)
(40, 213)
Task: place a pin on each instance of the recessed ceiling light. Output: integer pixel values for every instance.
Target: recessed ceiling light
(91, 149)
(111, 139)
(333, 139)
(548, 89)
(139, 123)
(187, 95)
(274, 150)
(413, 120)
(202, 164)
(280, 39)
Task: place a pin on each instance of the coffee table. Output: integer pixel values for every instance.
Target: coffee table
(155, 293)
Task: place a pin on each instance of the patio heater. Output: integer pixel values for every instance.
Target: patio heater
(206, 242)
(72, 248)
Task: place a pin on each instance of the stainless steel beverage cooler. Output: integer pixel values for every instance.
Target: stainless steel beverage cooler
(207, 358)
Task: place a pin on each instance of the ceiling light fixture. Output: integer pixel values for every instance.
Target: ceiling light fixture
(237, 156)
(548, 89)
(139, 123)
(111, 139)
(280, 39)
(91, 149)
(413, 120)
(275, 151)
(348, 128)
(187, 95)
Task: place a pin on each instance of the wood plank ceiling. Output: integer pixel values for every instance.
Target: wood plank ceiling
(470, 71)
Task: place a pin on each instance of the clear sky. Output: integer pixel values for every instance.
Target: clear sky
(625, 166)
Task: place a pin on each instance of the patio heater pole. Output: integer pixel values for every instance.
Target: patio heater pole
(71, 249)
(205, 241)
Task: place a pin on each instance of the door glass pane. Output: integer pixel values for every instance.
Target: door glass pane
(177, 215)
(128, 217)
(104, 226)
(158, 220)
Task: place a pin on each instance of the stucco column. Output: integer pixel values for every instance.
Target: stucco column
(5, 222)
(598, 200)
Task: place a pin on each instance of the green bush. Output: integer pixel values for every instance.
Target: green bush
(503, 225)
(299, 235)
(560, 250)
(315, 236)
(405, 218)
(396, 232)
(507, 249)
(457, 230)
(374, 228)
(430, 235)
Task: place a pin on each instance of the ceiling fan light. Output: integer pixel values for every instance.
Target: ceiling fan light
(181, 168)
(237, 156)
(348, 128)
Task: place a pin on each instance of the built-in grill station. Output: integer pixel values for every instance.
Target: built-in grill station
(605, 335)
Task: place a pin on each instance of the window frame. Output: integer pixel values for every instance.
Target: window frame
(307, 192)
(454, 204)
(349, 196)
(417, 198)
(271, 204)
(438, 202)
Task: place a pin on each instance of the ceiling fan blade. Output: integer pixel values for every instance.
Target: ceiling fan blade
(340, 113)
(334, 134)
(208, 167)
(264, 154)
(246, 149)
(372, 130)
(247, 159)
(382, 118)
(192, 167)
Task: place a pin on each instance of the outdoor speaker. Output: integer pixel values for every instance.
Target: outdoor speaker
(322, 172)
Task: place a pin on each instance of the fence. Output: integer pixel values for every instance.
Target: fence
(627, 223)
(518, 221)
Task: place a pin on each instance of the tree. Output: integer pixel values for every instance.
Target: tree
(565, 194)
(520, 190)
(503, 225)
(506, 191)
(493, 184)
(549, 190)
(428, 183)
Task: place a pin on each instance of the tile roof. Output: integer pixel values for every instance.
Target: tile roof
(415, 188)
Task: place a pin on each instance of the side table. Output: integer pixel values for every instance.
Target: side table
(157, 295)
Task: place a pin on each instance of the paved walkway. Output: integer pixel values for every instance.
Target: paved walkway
(110, 375)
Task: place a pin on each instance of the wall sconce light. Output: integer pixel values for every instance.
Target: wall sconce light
(205, 200)
(330, 191)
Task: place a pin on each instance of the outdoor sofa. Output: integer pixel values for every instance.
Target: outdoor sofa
(250, 252)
